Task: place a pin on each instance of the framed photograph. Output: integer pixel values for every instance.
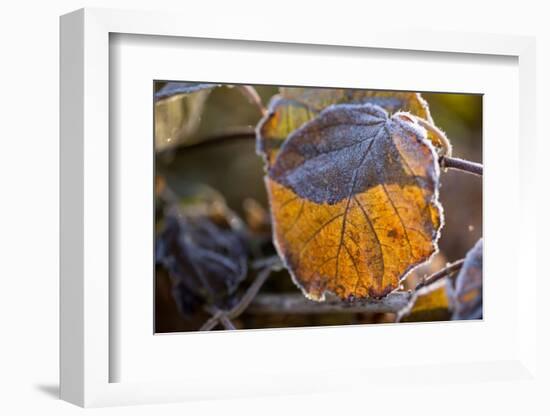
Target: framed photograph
(280, 213)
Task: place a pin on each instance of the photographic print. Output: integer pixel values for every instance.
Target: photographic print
(280, 207)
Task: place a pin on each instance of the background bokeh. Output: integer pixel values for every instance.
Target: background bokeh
(232, 168)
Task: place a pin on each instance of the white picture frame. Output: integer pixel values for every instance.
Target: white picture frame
(86, 291)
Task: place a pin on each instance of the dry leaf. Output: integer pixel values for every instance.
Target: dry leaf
(295, 106)
(467, 295)
(354, 201)
(205, 257)
(429, 304)
(173, 89)
(178, 107)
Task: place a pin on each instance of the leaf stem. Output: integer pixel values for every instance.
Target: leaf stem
(446, 147)
(253, 97)
(461, 164)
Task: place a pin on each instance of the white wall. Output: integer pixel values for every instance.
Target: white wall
(29, 56)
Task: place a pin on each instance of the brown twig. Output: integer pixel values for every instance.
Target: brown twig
(230, 135)
(296, 304)
(461, 164)
(218, 317)
(269, 262)
(212, 322)
(449, 269)
(252, 95)
(393, 303)
(226, 322)
(224, 317)
(246, 133)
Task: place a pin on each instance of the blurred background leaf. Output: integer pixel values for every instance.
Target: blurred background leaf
(467, 293)
(202, 245)
(178, 117)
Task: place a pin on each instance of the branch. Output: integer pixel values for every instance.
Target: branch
(253, 97)
(450, 268)
(218, 317)
(427, 284)
(224, 317)
(296, 303)
(461, 164)
(250, 294)
(226, 322)
(230, 135)
(246, 133)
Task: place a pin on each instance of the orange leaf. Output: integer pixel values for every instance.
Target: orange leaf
(354, 205)
(429, 304)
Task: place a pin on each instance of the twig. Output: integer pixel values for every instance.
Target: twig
(249, 134)
(224, 317)
(273, 262)
(252, 95)
(296, 303)
(428, 283)
(450, 268)
(231, 135)
(227, 324)
(461, 164)
(218, 316)
(212, 322)
(250, 293)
